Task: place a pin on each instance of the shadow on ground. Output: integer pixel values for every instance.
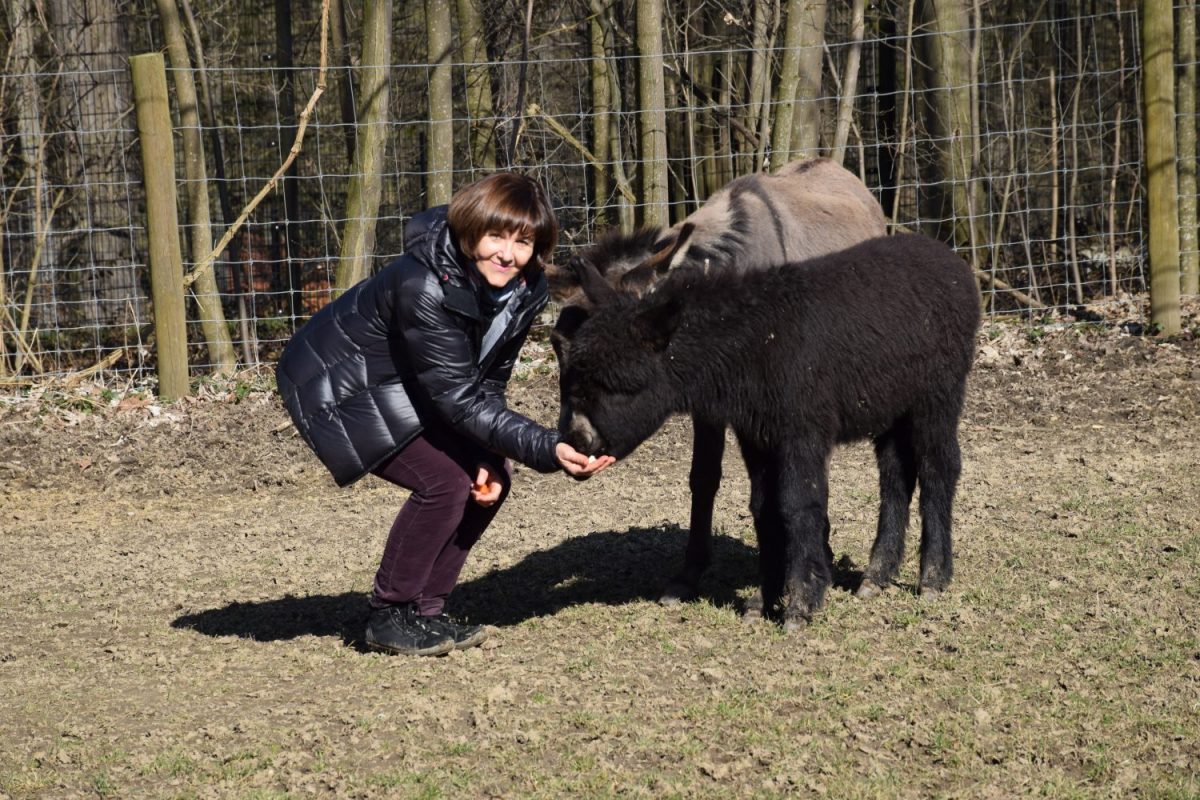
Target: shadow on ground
(608, 568)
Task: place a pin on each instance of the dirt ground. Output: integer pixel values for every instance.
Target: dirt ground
(182, 591)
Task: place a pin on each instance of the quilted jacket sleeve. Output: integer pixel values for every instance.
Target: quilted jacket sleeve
(444, 362)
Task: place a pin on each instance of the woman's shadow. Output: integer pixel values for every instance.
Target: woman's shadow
(608, 568)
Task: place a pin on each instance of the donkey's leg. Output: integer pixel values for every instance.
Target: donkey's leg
(708, 447)
(764, 507)
(803, 499)
(939, 464)
(897, 480)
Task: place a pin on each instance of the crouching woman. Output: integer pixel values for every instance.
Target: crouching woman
(404, 375)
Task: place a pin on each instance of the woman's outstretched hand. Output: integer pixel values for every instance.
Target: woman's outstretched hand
(487, 488)
(577, 464)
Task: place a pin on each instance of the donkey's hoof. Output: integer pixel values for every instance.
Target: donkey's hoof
(752, 616)
(868, 589)
(794, 624)
(929, 593)
(677, 591)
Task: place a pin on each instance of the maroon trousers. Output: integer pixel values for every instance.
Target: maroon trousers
(438, 524)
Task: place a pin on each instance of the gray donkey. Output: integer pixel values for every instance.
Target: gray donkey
(808, 208)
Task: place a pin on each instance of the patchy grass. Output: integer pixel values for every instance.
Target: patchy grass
(181, 593)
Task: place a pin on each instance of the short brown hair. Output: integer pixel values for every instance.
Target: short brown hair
(504, 202)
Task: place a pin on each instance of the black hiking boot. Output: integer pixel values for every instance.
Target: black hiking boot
(464, 636)
(400, 629)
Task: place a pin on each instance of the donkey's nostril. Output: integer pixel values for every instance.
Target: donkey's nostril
(580, 434)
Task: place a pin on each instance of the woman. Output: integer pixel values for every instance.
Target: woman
(403, 376)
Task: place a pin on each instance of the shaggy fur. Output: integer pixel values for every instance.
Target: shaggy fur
(808, 208)
(872, 342)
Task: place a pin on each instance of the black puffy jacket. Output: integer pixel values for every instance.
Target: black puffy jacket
(408, 348)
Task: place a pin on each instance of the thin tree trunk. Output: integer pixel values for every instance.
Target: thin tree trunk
(1158, 96)
(652, 114)
(365, 189)
(480, 113)
(1186, 42)
(806, 118)
(221, 355)
(237, 284)
(677, 178)
(845, 111)
(1053, 252)
(760, 58)
(726, 166)
(28, 104)
(598, 37)
(789, 76)
(764, 118)
(340, 49)
(948, 49)
(289, 228)
(706, 143)
(1073, 174)
(886, 90)
(439, 183)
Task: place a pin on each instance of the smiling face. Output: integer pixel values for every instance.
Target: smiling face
(501, 256)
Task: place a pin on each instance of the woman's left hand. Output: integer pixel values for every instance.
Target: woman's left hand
(577, 465)
(487, 488)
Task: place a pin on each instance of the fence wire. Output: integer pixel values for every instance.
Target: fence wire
(1054, 213)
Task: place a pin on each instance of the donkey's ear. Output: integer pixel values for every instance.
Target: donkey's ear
(672, 249)
(560, 281)
(592, 282)
(679, 250)
(657, 318)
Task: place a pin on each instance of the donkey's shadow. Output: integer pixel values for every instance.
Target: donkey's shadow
(607, 568)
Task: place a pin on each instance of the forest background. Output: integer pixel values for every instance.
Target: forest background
(1017, 130)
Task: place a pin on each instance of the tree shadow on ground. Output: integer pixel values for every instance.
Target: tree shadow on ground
(608, 568)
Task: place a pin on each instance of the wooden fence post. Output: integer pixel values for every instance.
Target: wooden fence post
(1158, 96)
(162, 222)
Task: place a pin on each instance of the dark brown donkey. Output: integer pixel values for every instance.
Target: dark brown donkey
(808, 208)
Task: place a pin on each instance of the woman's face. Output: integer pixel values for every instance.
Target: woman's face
(500, 257)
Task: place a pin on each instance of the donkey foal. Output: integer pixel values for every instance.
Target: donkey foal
(807, 208)
(871, 342)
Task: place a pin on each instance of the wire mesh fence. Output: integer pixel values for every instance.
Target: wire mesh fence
(1049, 206)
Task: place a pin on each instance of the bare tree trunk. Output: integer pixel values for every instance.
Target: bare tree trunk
(208, 115)
(94, 98)
(28, 105)
(760, 76)
(221, 356)
(439, 183)
(1186, 59)
(480, 113)
(952, 205)
(1073, 175)
(653, 115)
(289, 229)
(845, 113)
(706, 144)
(340, 49)
(787, 90)
(1158, 96)
(726, 160)
(806, 119)
(365, 189)
(885, 23)
(598, 37)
